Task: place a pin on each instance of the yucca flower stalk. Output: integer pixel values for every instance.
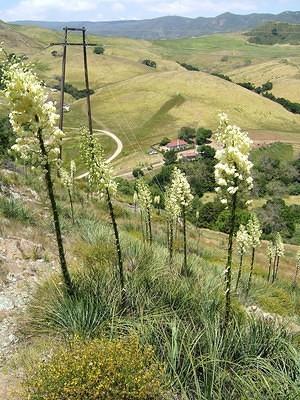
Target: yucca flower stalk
(279, 252)
(271, 256)
(172, 210)
(135, 200)
(33, 119)
(243, 243)
(68, 181)
(144, 199)
(254, 232)
(233, 181)
(156, 202)
(102, 182)
(295, 282)
(182, 193)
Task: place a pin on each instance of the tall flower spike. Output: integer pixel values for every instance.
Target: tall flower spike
(181, 188)
(243, 240)
(67, 177)
(233, 169)
(144, 195)
(254, 231)
(31, 113)
(279, 245)
(100, 172)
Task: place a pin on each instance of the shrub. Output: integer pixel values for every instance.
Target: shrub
(137, 172)
(99, 50)
(7, 137)
(164, 141)
(96, 370)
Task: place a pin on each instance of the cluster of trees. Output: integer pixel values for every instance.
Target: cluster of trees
(149, 63)
(264, 90)
(274, 175)
(189, 67)
(73, 91)
(190, 134)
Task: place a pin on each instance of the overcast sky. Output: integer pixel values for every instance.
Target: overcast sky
(93, 10)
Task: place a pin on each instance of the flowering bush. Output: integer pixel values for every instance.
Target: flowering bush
(96, 370)
(144, 199)
(233, 169)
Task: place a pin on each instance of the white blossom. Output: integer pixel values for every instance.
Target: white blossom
(156, 200)
(271, 251)
(100, 173)
(254, 231)
(233, 169)
(144, 196)
(181, 189)
(67, 177)
(242, 240)
(31, 116)
(279, 245)
(172, 207)
(298, 259)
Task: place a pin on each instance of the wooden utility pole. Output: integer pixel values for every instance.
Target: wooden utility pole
(84, 45)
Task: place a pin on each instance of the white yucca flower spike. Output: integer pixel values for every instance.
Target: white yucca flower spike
(279, 245)
(298, 259)
(67, 177)
(271, 252)
(181, 188)
(254, 231)
(144, 196)
(156, 199)
(100, 172)
(172, 207)
(31, 115)
(233, 169)
(242, 240)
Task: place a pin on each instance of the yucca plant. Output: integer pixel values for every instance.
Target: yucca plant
(242, 240)
(101, 181)
(68, 181)
(254, 232)
(234, 181)
(33, 119)
(145, 202)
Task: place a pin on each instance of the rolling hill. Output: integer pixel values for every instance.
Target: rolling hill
(173, 26)
(142, 104)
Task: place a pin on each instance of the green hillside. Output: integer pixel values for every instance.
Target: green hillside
(275, 32)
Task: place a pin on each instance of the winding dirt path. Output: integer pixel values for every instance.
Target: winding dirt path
(113, 156)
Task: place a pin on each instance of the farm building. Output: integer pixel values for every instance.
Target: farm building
(177, 144)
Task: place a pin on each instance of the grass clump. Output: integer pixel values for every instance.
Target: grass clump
(15, 209)
(100, 369)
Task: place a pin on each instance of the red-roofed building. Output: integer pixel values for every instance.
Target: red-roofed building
(189, 155)
(177, 144)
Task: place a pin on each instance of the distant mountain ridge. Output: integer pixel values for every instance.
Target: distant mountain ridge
(172, 27)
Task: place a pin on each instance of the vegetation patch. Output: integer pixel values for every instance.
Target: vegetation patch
(100, 369)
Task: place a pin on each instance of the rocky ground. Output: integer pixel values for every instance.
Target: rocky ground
(22, 263)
